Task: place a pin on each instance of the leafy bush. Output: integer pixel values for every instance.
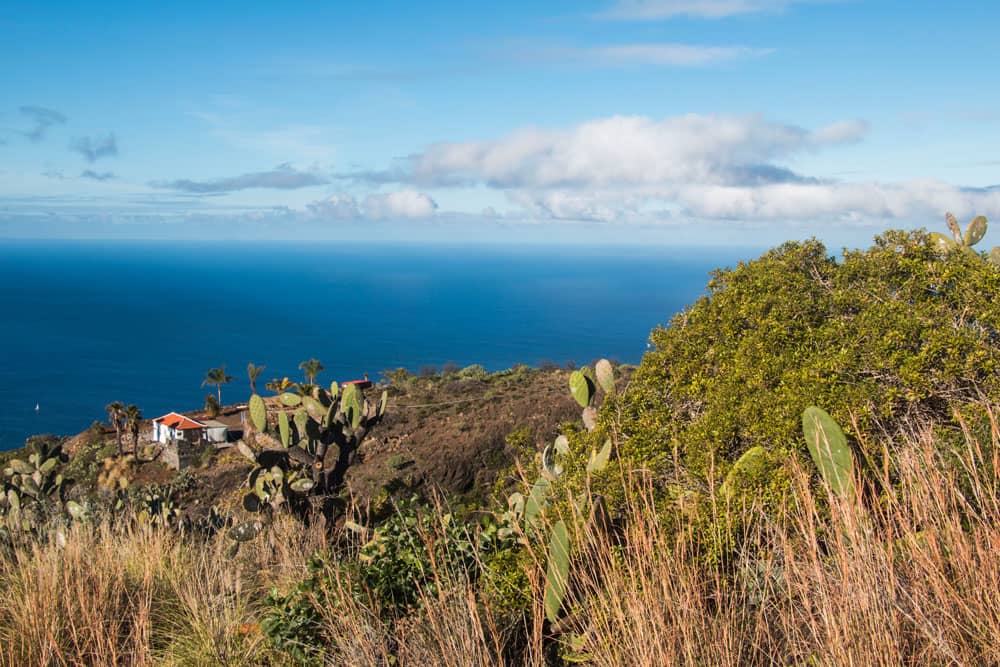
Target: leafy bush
(474, 372)
(399, 566)
(896, 332)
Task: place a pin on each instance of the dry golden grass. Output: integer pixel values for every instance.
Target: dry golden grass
(912, 579)
(907, 577)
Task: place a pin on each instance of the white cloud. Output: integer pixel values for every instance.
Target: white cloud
(642, 54)
(841, 201)
(626, 150)
(629, 168)
(652, 10)
(400, 204)
(337, 206)
(676, 55)
(377, 206)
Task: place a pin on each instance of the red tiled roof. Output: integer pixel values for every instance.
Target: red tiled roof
(179, 422)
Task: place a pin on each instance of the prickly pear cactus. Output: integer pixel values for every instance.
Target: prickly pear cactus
(290, 400)
(557, 571)
(750, 460)
(581, 388)
(284, 429)
(605, 375)
(322, 420)
(974, 233)
(258, 413)
(829, 450)
(33, 491)
(599, 458)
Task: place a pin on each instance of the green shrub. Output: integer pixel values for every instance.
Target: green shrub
(474, 372)
(894, 332)
(403, 561)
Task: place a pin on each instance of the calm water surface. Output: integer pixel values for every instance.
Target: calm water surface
(86, 323)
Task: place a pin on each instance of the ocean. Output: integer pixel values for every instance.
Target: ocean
(87, 323)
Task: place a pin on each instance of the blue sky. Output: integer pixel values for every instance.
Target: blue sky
(661, 121)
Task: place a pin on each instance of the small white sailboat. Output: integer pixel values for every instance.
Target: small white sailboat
(37, 407)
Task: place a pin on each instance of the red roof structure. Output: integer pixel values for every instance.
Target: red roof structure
(360, 384)
(179, 422)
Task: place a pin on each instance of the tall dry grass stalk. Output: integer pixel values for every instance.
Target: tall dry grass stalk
(908, 576)
(905, 572)
(140, 595)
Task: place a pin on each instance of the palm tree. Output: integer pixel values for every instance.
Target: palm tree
(311, 368)
(211, 406)
(133, 415)
(116, 417)
(217, 377)
(254, 371)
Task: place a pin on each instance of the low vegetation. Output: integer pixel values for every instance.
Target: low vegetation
(803, 470)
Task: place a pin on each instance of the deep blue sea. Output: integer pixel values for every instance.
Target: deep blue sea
(86, 323)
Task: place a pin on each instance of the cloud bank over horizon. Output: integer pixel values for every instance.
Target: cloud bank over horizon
(633, 168)
(720, 118)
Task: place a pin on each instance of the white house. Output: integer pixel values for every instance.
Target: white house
(175, 426)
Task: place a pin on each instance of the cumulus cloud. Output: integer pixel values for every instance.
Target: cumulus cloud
(653, 10)
(841, 201)
(93, 149)
(97, 176)
(42, 119)
(400, 204)
(618, 151)
(337, 206)
(631, 168)
(377, 206)
(282, 177)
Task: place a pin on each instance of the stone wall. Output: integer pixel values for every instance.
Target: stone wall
(179, 454)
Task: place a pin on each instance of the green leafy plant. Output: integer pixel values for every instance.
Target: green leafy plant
(885, 334)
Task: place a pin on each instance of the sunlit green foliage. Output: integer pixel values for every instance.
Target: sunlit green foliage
(898, 330)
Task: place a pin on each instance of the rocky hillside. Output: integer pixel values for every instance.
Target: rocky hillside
(450, 432)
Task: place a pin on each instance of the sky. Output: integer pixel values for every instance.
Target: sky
(680, 122)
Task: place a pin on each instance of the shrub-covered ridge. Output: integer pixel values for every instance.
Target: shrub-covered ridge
(897, 332)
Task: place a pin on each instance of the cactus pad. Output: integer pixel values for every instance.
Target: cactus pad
(829, 450)
(557, 572)
(290, 400)
(581, 387)
(975, 231)
(284, 429)
(942, 243)
(956, 231)
(599, 459)
(258, 413)
(605, 375)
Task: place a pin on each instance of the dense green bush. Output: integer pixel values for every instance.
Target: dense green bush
(894, 332)
(404, 559)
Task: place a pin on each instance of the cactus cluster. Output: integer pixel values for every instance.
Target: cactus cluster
(157, 507)
(34, 490)
(583, 385)
(290, 464)
(526, 512)
(973, 234)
